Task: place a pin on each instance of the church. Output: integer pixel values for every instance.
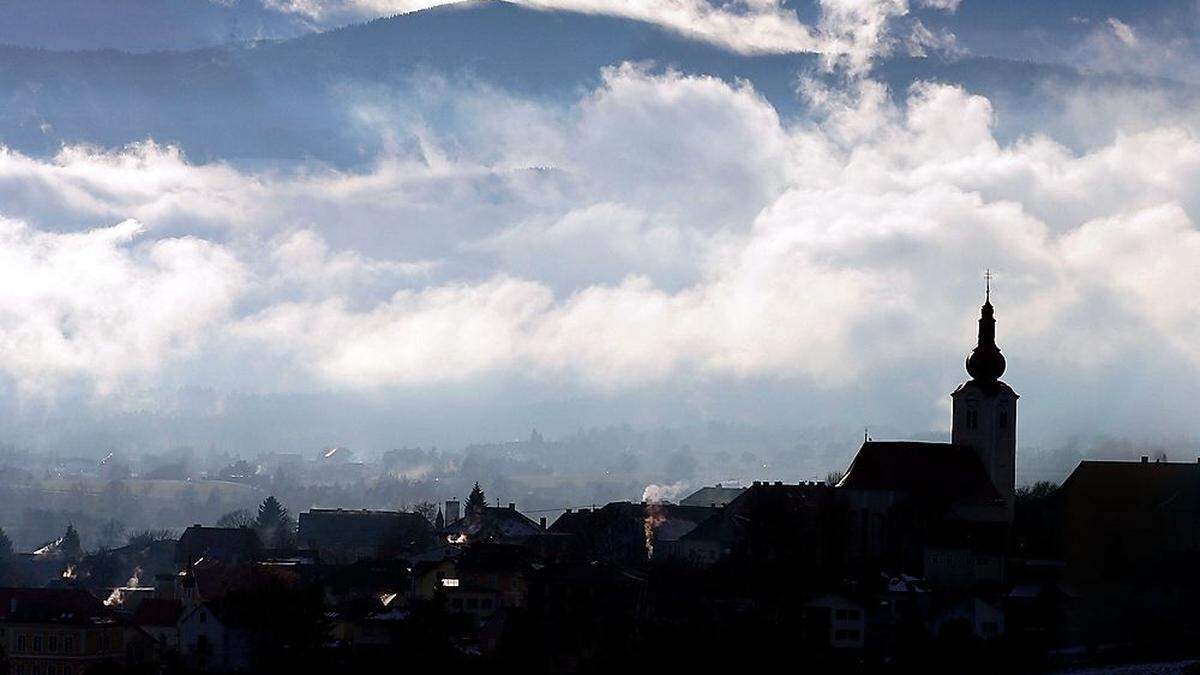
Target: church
(942, 510)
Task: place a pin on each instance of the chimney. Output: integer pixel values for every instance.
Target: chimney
(512, 506)
(452, 513)
(1145, 459)
(542, 522)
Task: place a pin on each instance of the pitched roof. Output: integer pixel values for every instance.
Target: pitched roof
(52, 605)
(157, 612)
(936, 472)
(494, 522)
(199, 540)
(763, 504)
(360, 527)
(1173, 486)
(708, 496)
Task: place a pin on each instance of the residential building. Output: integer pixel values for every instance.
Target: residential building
(63, 631)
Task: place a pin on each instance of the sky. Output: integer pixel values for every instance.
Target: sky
(660, 248)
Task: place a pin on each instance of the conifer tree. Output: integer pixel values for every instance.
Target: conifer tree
(476, 501)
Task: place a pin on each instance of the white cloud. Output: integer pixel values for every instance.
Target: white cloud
(1123, 32)
(685, 232)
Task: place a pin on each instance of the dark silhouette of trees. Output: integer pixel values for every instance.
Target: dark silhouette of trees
(270, 514)
(144, 538)
(236, 518)
(1036, 492)
(427, 510)
(274, 524)
(70, 546)
(476, 501)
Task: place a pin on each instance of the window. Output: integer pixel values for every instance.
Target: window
(472, 603)
(972, 419)
(846, 634)
(456, 603)
(486, 604)
(68, 643)
(450, 583)
(52, 643)
(203, 617)
(37, 643)
(21, 643)
(1003, 419)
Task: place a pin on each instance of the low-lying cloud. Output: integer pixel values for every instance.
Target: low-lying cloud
(670, 228)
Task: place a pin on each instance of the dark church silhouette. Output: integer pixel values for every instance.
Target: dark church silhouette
(942, 509)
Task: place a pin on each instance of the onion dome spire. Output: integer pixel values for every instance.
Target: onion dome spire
(986, 363)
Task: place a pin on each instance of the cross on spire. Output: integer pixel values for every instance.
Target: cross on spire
(987, 280)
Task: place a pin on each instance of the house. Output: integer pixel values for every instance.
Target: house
(349, 535)
(477, 580)
(159, 618)
(631, 533)
(491, 523)
(214, 635)
(769, 523)
(714, 496)
(230, 545)
(368, 580)
(1129, 534)
(834, 622)
(58, 630)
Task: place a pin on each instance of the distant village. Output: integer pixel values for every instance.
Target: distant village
(918, 555)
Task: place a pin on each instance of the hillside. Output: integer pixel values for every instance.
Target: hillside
(299, 98)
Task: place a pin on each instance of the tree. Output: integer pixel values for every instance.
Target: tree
(476, 501)
(236, 518)
(834, 477)
(70, 545)
(270, 514)
(275, 526)
(284, 535)
(427, 510)
(1036, 492)
(144, 538)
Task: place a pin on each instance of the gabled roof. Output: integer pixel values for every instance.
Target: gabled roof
(762, 504)
(712, 495)
(494, 522)
(73, 606)
(933, 472)
(217, 541)
(157, 612)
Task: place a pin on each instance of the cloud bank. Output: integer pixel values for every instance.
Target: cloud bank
(664, 228)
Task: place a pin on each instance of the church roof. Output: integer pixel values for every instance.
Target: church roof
(937, 472)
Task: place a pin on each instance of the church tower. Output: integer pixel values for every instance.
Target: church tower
(985, 409)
